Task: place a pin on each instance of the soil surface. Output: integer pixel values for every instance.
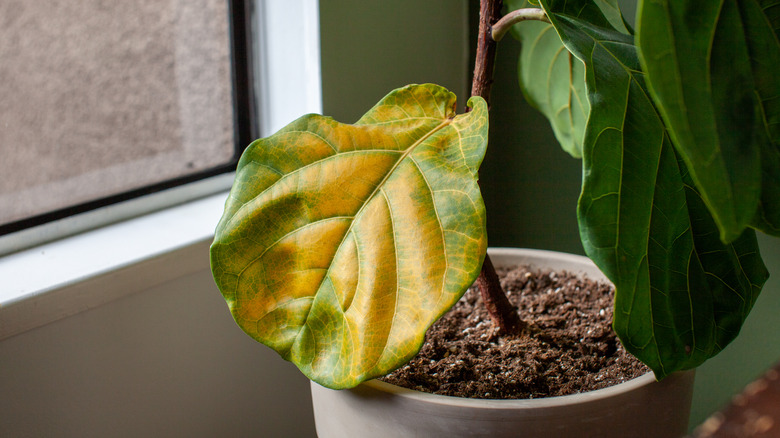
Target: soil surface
(568, 347)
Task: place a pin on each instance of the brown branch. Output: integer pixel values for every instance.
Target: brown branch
(501, 311)
(489, 14)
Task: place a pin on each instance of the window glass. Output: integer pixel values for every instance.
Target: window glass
(103, 97)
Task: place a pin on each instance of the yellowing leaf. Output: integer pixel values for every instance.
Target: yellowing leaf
(341, 244)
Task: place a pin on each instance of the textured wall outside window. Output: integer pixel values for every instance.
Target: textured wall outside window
(100, 97)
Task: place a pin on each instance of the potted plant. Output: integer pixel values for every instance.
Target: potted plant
(341, 244)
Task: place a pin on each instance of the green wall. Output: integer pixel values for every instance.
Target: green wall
(372, 47)
(529, 184)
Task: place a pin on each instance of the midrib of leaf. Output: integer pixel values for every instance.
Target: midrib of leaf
(717, 149)
(533, 48)
(695, 253)
(645, 258)
(549, 86)
(550, 68)
(573, 96)
(397, 283)
(675, 67)
(443, 238)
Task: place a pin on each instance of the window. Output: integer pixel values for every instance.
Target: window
(108, 101)
(43, 282)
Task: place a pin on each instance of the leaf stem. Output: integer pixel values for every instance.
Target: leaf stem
(503, 25)
(501, 311)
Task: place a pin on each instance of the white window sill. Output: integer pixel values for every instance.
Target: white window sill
(63, 278)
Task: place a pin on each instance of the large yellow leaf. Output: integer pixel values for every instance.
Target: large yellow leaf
(341, 244)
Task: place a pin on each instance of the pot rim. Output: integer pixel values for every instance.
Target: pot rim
(537, 403)
(574, 263)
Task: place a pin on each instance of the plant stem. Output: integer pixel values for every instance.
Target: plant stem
(489, 13)
(501, 311)
(503, 314)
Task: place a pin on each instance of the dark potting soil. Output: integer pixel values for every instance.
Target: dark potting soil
(568, 347)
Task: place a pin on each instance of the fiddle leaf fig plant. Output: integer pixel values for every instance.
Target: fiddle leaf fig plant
(682, 293)
(341, 244)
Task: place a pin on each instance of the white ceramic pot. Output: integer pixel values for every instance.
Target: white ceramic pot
(638, 408)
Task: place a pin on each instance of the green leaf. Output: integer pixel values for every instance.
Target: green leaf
(598, 13)
(681, 293)
(762, 29)
(611, 11)
(341, 244)
(552, 80)
(712, 70)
